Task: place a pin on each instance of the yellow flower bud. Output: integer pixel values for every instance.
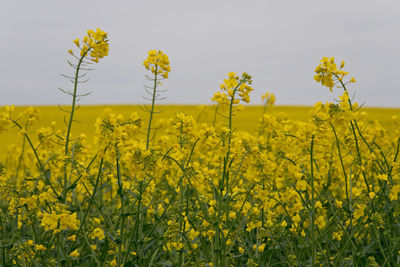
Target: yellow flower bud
(76, 41)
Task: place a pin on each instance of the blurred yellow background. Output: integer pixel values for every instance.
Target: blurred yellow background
(246, 120)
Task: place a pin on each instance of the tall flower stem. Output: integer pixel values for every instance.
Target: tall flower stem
(153, 100)
(71, 119)
(219, 246)
(312, 202)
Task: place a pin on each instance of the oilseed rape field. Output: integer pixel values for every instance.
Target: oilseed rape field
(217, 185)
(248, 120)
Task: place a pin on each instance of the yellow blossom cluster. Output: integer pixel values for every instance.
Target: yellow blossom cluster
(268, 99)
(97, 233)
(5, 119)
(58, 220)
(94, 44)
(158, 63)
(234, 89)
(327, 72)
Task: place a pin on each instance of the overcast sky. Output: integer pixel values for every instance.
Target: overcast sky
(278, 42)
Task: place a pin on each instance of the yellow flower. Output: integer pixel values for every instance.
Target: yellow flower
(382, 177)
(265, 96)
(95, 45)
(76, 41)
(60, 219)
(268, 98)
(260, 247)
(71, 238)
(296, 219)
(337, 236)
(301, 185)
(74, 253)
(359, 212)
(98, 232)
(371, 195)
(193, 234)
(327, 72)
(22, 132)
(40, 247)
(158, 63)
(234, 89)
(320, 222)
(232, 215)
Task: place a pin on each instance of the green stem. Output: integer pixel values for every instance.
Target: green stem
(71, 117)
(135, 231)
(345, 89)
(262, 127)
(38, 160)
(121, 194)
(341, 160)
(312, 202)
(74, 100)
(215, 115)
(153, 100)
(22, 154)
(219, 247)
(90, 201)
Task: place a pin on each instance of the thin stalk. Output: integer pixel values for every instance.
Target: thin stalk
(90, 201)
(345, 89)
(312, 202)
(22, 154)
(153, 100)
(85, 236)
(219, 238)
(181, 225)
(135, 231)
(359, 156)
(121, 194)
(341, 159)
(38, 160)
(71, 117)
(215, 115)
(262, 128)
(74, 100)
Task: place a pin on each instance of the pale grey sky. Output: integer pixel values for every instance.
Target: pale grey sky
(278, 42)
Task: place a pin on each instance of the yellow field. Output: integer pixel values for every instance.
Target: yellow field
(247, 120)
(287, 158)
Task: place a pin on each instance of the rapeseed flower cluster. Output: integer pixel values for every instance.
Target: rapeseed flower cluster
(94, 45)
(158, 63)
(268, 99)
(58, 220)
(234, 89)
(327, 72)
